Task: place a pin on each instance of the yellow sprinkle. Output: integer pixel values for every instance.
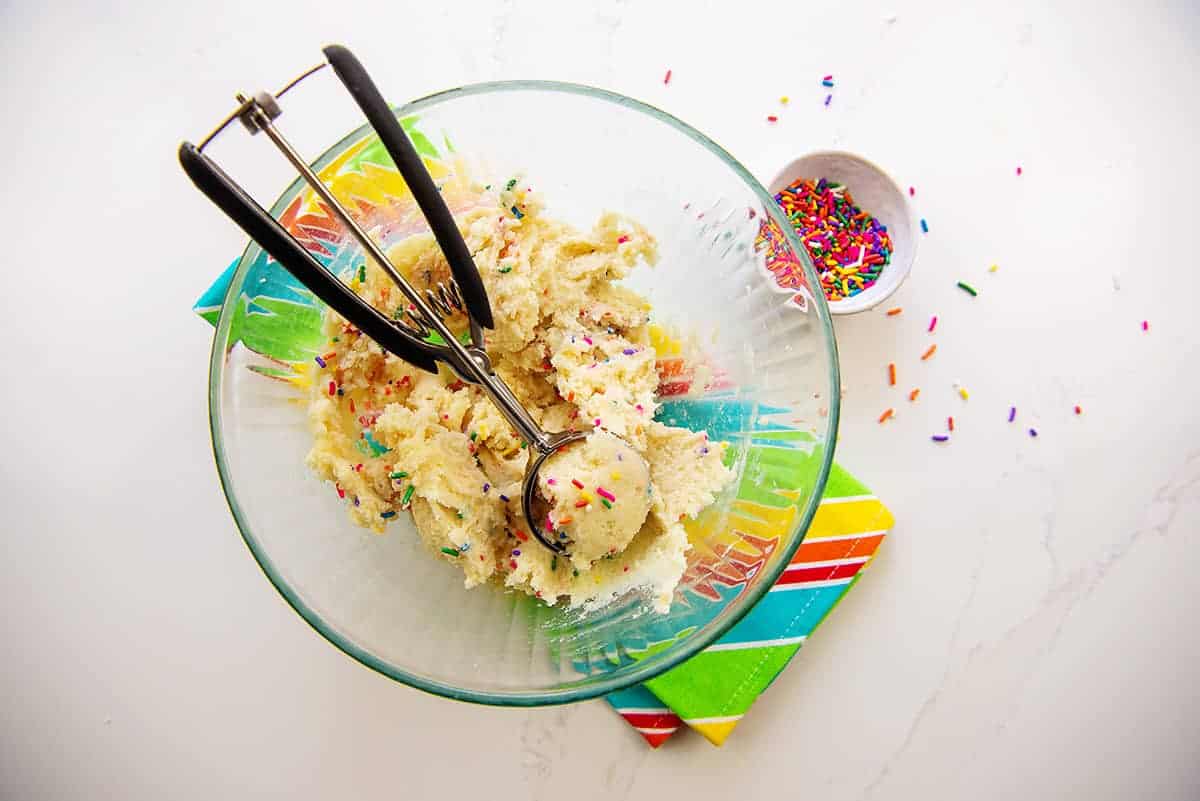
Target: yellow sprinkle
(962, 393)
(585, 497)
(993, 268)
(616, 476)
(784, 100)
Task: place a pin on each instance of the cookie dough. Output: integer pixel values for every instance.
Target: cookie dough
(575, 347)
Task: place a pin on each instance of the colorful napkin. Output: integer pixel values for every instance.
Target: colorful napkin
(713, 690)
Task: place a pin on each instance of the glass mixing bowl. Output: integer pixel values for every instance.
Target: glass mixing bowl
(731, 275)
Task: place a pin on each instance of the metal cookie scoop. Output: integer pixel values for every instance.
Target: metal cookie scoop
(410, 339)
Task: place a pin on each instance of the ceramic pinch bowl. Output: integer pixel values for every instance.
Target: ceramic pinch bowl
(874, 192)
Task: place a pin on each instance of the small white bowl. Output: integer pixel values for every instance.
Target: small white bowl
(874, 192)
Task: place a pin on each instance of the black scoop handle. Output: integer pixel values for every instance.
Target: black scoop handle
(360, 86)
(283, 247)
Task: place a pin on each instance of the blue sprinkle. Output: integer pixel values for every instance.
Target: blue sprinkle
(517, 212)
(486, 487)
(826, 83)
(320, 362)
(466, 546)
(627, 352)
(516, 552)
(384, 515)
(827, 99)
(356, 500)
(924, 225)
(340, 391)
(504, 498)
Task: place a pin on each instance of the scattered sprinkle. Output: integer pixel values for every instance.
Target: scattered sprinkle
(408, 493)
(512, 564)
(388, 515)
(629, 351)
(399, 474)
(784, 100)
(912, 396)
(603, 493)
(320, 362)
(622, 239)
(505, 270)
(1145, 325)
(580, 504)
(940, 437)
(892, 374)
(553, 563)
(772, 118)
(606, 503)
(1078, 410)
(962, 393)
(362, 273)
(516, 552)
(950, 423)
(828, 98)
(1012, 413)
(932, 349)
(565, 521)
(517, 212)
(667, 78)
(486, 487)
(552, 481)
(466, 546)
(827, 83)
(503, 498)
(932, 323)
(1018, 170)
(1033, 432)
(521, 535)
(970, 290)
(450, 551)
(333, 386)
(341, 492)
(827, 78)
(993, 268)
(894, 312)
(912, 192)
(887, 415)
(924, 226)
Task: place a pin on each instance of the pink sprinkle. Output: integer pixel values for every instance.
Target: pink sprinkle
(597, 421)
(639, 408)
(588, 340)
(912, 192)
(622, 239)
(1018, 170)
(1145, 325)
(932, 323)
(603, 493)
(667, 79)
(551, 481)
(827, 78)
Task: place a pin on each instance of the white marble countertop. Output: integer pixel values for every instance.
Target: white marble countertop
(1027, 630)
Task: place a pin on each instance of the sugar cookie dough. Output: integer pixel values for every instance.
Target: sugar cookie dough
(575, 347)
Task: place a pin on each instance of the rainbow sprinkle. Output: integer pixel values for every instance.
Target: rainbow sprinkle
(940, 437)
(929, 352)
(924, 226)
(970, 290)
(932, 323)
(1033, 432)
(450, 551)
(887, 415)
(894, 312)
(848, 246)
(1012, 413)
(388, 515)
(603, 493)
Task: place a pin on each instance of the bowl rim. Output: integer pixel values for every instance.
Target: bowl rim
(594, 686)
(864, 301)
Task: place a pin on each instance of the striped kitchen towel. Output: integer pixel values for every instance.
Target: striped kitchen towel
(714, 689)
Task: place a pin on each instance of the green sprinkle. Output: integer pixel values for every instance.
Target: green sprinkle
(335, 339)
(408, 493)
(970, 290)
(473, 435)
(362, 273)
(575, 572)
(505, 270)
(508, 186)
(553, 563)
(450, 551)
(524, 444)
(398, 476)
(458, 515)
(486, 188)
(607, 505)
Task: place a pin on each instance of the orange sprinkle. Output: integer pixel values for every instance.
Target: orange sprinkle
(892, 374)
(932, 350)
(894, 312)
(950, 423)
(352, 409)
(887, 415)
(564, 521)
(912, 396)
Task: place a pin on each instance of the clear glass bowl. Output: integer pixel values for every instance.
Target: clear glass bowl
(731, 273)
